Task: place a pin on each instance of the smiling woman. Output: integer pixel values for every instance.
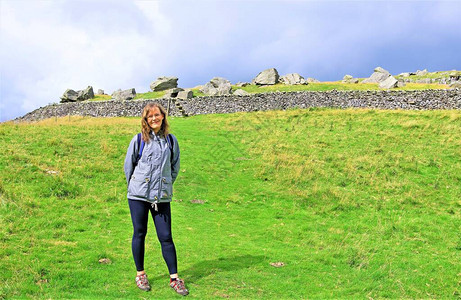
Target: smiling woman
(151, 167)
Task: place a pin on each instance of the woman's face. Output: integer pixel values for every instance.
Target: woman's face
(155, 119)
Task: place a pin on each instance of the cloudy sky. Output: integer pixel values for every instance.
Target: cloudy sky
(49, 46)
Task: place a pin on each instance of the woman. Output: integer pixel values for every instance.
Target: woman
(151, 168)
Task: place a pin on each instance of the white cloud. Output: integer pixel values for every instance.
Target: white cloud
(42, 56)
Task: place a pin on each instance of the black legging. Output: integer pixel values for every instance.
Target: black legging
(162, 219)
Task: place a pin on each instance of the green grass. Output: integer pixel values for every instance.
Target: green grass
(101, 98)
(355, 203)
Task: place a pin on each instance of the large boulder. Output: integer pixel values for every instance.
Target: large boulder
(404, 74)
(69, 96)
(86, 93)
(422, 73)
(349, 79)
(124, 95)
(185, 94)
(312, 80)
(80, 95)
(379, 75)
(173, 93)
(292, 79)
(164, 83)
(267, 77)
(216, 87)
(389, 83)
(241, 92)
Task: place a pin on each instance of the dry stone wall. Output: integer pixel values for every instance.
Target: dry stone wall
(414, 100)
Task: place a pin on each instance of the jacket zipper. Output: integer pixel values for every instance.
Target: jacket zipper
(154, 204)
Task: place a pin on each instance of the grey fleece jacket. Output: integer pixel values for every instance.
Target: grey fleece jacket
(153, 177)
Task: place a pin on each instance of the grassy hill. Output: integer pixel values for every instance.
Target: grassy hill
(354, 203)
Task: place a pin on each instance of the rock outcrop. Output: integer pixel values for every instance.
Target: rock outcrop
(217, 86)
(120, 95)
(185, 94)
(240, 92)
(267, 77)
(293, 79)
(81, 95)
(173, 93)
(164, 83)
(378, 76)
(69, 96)
(349, 79)
(421, 73)
(389, 83)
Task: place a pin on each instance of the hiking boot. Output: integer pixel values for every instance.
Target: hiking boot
(179, 287)
(142, 282)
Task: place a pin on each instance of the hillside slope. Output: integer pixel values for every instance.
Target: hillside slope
(354, 203)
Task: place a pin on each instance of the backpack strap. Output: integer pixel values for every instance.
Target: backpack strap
(170, 141)
(140, 147)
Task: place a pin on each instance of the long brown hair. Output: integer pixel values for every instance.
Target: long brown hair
(145, 128)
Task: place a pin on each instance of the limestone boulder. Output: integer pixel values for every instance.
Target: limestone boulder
(293, 79)
(80, 95)
(124, 95)
(217, 86)
(381, 70)
(164, 83)
(312, 80)
(173, 93)
(209, 89)
(422, 73)
(405, 74)
(100, 92)
(185, 95)
(349, 79)
(240, 92)
(267, 77)
(389, 83)
(379, 75)
(86, 93)
(69, 96)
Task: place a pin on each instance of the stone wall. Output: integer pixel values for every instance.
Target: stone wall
(414, 100)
